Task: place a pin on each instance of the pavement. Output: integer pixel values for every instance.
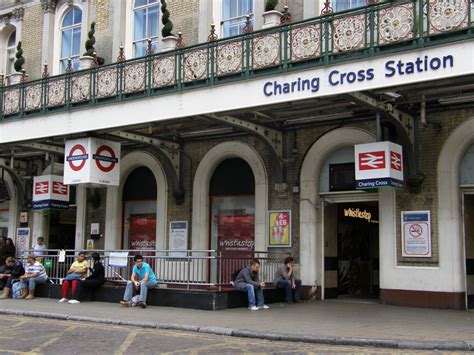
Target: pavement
(329, 322)
(28, 336)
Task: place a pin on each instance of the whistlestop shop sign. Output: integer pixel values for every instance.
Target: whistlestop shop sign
(378, 165)
(49, 192)
(92, 161)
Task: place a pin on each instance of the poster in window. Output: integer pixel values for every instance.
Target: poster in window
(279, 231)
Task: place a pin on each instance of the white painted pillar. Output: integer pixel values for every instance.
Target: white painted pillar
(81, 217)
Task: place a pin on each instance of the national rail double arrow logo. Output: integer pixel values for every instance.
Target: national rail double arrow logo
(372, 160)
(105, 163)
(77, 157)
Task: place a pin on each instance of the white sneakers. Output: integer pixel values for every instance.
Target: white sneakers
(254, 308)
(62, 300)
(73, 302)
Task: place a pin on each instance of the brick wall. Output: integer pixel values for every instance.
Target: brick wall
(32, 40)
(185, 17)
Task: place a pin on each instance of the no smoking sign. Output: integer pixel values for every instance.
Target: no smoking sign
(92, 161)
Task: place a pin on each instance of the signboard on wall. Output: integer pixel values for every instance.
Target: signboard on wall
(279, 233)
(49, 192)
(416, 234)
(236, 233)
(178, 236)
(378, 165)
(22, 241)
(92, 161)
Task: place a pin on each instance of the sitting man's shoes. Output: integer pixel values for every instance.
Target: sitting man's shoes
(264, 307)
(289, 302)
(126, 303)
(253, 308)
(142, 304)
(29, 297)
(298, 301)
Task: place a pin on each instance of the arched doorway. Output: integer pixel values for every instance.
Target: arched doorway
(332, 148)
(232, 214)
(139, 210)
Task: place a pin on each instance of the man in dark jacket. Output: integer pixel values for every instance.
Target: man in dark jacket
(11, 271)
(285, 278)
(93, 282)
(248, 281)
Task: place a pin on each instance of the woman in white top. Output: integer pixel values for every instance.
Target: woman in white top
(39, 247)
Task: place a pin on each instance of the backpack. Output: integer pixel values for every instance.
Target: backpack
(235, 274)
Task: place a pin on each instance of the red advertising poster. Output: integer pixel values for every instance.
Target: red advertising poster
(235, 235)
(143, 235)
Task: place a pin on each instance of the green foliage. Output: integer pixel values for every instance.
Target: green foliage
(18, 65)
(165, 20)
(91, 41)
(270, 5)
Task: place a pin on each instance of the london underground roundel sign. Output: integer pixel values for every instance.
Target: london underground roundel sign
(105, 158)
(77, 157)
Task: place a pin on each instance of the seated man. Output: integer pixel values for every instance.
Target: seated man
(75, 274)
(9, 272)
(142, 278)
(93, 282)
(35, 274)
(285, 278)
(248, 281)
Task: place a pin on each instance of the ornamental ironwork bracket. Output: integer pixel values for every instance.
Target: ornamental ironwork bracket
(54, 149)
(272, 137)
(405, 120)
(169, 149)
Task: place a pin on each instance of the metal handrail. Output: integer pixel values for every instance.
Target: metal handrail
(189, 268)
(175, 70)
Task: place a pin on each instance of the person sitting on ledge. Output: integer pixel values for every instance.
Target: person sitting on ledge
(142, 279)
(248, 281)
(35, 274)
(10, 272)
(75, 274)
(285, 278)
(93, 282)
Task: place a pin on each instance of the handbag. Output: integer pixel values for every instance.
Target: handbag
(73, 276)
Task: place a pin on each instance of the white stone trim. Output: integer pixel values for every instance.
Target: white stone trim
(202, 178)
(311, 224)
(5, 33)
(13, 207)
(113, 216)
(450, 224)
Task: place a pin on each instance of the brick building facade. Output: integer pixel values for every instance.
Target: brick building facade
(297, 143)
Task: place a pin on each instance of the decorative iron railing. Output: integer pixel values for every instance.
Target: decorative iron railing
(334, 37)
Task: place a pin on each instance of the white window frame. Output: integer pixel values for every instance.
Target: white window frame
(6, 31)
(69, 28)
(130, 28)
(210, 12)
(61, 11)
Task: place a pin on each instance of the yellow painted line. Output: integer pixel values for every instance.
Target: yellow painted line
(127, 342)
(45, 344)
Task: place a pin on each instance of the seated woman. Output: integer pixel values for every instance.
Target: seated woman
(75, 274)
(35, 274)
(93, 282)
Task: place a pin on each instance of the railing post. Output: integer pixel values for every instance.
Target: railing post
(188, 268)
(219, 269)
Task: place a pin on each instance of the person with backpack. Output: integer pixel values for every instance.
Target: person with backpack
(248, 281)
(285, 278)
(10, 272)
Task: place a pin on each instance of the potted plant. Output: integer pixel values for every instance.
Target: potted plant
(169, 39)
(271, 17)
(87, 58)
(15, 78)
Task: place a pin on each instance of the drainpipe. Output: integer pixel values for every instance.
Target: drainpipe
(423, 120)
(379, 128)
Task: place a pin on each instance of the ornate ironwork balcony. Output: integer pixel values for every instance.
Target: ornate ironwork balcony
(373, 30)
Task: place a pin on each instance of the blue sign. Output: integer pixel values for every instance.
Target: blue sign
(50, 204)
(376, 183)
